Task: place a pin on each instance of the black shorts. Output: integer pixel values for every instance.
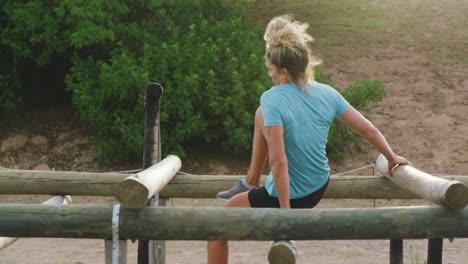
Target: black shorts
(259, 198)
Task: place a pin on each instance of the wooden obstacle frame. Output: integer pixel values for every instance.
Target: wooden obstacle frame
(136, 219)
(434, 223)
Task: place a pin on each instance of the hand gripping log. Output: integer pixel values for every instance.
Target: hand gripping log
(452, 194)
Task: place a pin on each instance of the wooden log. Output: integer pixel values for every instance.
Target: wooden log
(56, 200)
(60, 182)
(340, 187)
(282, 252)
(453, 194)
(215, 223)
(187, 186)
(136, 190)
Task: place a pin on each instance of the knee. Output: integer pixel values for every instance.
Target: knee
(216, 243)
(240, 200)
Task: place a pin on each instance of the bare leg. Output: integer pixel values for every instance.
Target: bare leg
(259, 152)
(218, 250)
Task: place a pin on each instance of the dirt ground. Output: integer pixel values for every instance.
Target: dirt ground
(417, 49)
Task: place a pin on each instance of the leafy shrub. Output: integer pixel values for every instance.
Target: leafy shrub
(10, 95)
(9, 88)
(207, 54)
(30, 35)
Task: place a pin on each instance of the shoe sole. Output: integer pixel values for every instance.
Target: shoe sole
(222, 199)
(282, 252)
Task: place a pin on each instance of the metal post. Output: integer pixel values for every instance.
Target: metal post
(157, 248)
(152, 155)
(434, 251)
(116, 249)
(108, 247)
(396, 251)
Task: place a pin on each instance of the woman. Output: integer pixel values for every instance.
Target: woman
(291, 130)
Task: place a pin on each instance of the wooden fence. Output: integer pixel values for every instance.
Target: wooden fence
(137, 220)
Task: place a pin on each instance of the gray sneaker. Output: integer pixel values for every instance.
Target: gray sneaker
(239, 187)
(282, 252)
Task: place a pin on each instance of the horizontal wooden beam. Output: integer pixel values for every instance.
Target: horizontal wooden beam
(56, 200)
(199, 223)
(186, 186)
(60, 182)
(340, 187)
(453, 194)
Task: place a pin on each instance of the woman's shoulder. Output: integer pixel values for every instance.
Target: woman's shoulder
(321, 86)
(278, 89)
(276, 93)
(269, 94)
(324, 89)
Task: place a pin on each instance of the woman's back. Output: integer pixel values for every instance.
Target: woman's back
(305, 118)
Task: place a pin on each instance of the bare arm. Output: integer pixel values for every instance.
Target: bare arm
(365, 128)
(278, 163)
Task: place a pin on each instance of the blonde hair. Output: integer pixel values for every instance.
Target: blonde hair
(287, 46)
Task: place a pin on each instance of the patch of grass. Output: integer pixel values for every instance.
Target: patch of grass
(358, 23)
(335, 21)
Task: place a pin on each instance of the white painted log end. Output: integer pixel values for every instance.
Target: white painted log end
(452, 194)
(59, 200)
(67, 200)
(135, 191)
(132, 193)
(6, 241)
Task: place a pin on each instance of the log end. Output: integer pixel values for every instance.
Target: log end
(154, 89)
(457, 196)
(132, 194)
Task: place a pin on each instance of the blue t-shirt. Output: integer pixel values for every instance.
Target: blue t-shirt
(305, 119)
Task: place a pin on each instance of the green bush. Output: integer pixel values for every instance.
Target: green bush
(10, 95)
(207, 55)
(30, 34)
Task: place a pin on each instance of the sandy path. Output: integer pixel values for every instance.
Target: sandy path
(87, 251)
